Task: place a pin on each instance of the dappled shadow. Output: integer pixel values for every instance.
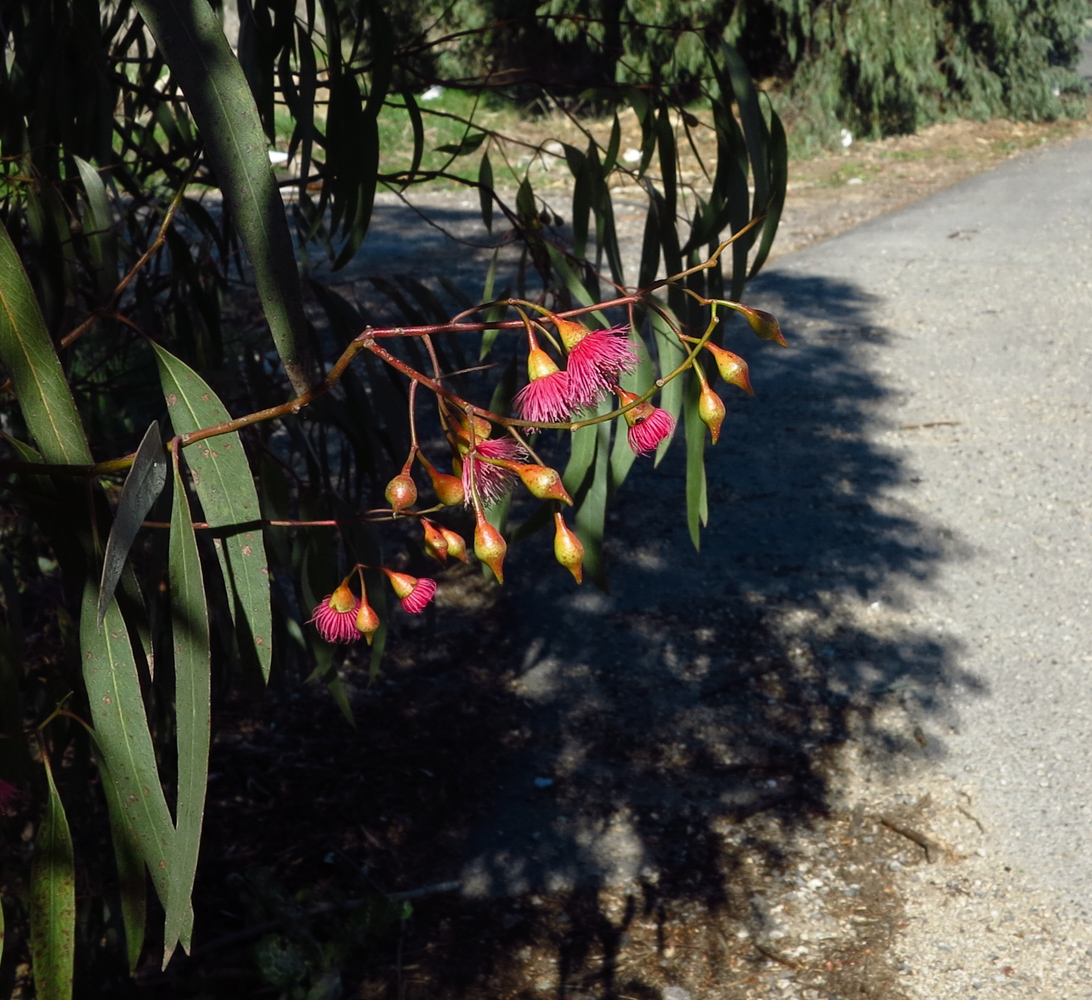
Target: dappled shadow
(598, 771)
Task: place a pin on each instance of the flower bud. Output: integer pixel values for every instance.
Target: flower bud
(401, 492)
(764, 324)
(543, 482)
(367, 621)
(733, 369)
(448, 489)
(456, 544)
(489, 546)
(711, 411)
(414, 593)
(540, 364)
(571, 333)
(435, 542)
(568, 549)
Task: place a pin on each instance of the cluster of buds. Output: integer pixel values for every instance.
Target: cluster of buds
(344, 617)
(487, 468)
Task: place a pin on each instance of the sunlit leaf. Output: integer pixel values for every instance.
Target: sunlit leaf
(53, 901)
(224, 485)
(697, 501)
(27, 353)
(190, 36)
(99, 229)
(142, 486)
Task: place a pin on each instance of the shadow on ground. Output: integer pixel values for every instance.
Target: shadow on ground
(614, 781)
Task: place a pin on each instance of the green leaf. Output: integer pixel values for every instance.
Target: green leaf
(489, 337)
(754, 125)
(485, 191)
(132, 880)
(122, 735)
(525, 202)
(573, 282)
(193, 705)
(697, 501)
(53, 901)
(592, 508)
(671, 354)
(143, 484)
(468, 144)
(779, 179)
(612, 146)
(225, 487)
(99, 229)
(418, 127)
(27, 352)
(189, 35)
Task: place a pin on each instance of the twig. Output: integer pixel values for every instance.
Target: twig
(930, 423)
(775, 957)
(973, 818)
(926, 843)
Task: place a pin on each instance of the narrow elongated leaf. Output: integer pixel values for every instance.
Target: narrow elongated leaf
(143, 484)
(485, 191)
(27, 352)
(99, 229)
(697, 502)
(193, 703)
(489, 337)
(418, 127)
(189, 35)
(122, 734)
(53, 902)
(592, 507)
(573, 283)
(225, 487)
(779, 179)
(671, 354)
(754, 125)
(468, 144)
(132, 880)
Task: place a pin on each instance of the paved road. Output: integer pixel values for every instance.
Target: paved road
(907, 503)
(980, 300)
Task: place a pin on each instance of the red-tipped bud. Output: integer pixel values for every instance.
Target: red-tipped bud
(435, 542)
(414, 593)
(481, 428)
(571, 333)
(568, 549)
(401, 492)
(711, 411)
(448, 489)
(367, 621)
(543, 482)
(456, 544)
(489, 546)
(764, 324)
(733, 369)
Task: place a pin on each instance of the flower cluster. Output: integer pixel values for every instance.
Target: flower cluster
(596, 361)
(344, 617)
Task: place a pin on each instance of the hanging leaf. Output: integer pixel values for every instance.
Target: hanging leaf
(225, 487)
(132, 880)
(98, 229)
(468, 144)
(190, 36)
(122, 735)
(27, 352)
(418, 127)
(779, 179)
(193, 705)
(53, 901)
(697, 500)
(485, 191)
(142, 486)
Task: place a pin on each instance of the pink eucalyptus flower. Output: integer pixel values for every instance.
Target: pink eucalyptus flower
(413, 592)
(646, 433)
(595, 364)
(546, 399)
(335, 617)
(7, 792)
(494, 483)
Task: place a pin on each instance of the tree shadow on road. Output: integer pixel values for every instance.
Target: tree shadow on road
(616, 780)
